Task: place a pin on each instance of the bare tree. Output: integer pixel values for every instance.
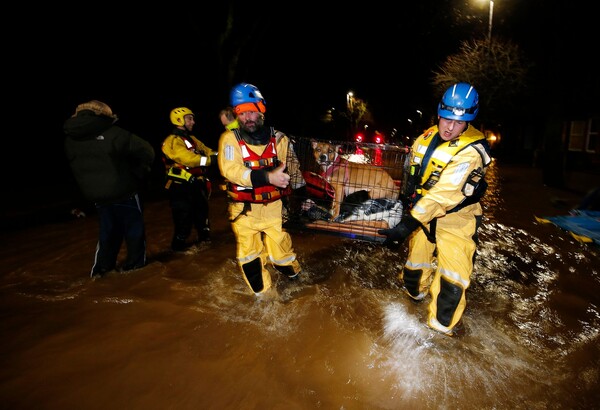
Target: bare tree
(497, 69)
(357, 113)
(238, 42)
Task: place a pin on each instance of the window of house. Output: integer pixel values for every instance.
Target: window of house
(592, 140)
(577, 135)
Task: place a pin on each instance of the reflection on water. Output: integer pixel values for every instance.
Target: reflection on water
(184, 332)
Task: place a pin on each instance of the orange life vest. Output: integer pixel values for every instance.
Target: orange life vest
(268, 161)
(317, 186)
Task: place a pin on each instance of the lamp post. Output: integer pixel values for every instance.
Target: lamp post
(491, 20)
(349, 101)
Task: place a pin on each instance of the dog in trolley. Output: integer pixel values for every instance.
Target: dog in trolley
(346, 177)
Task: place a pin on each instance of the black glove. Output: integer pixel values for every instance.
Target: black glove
(398, 234)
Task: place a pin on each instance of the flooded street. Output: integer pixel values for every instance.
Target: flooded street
(184, 332)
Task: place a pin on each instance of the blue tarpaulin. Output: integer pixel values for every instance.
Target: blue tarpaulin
(583, 225)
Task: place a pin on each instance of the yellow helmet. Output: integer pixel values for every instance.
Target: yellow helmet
(177, 115)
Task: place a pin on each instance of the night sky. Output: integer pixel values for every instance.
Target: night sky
(303, 56)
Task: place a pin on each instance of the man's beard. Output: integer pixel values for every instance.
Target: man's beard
(256, 133)
(249, 126)
(252, 126)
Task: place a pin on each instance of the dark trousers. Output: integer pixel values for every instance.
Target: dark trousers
(189, 207)
(120, 221)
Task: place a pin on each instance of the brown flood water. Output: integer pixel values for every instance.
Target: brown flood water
(186, 333)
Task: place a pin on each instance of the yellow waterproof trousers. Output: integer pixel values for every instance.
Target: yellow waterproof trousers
(260, 236)
(448, 279)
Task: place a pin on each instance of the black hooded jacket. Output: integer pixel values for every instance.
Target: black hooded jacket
(108, 162)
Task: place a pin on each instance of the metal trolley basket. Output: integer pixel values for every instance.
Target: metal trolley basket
(309, 207)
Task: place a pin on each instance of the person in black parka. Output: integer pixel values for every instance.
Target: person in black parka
(110, 165)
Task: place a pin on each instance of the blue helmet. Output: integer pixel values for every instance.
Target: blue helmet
(460, 102)
(247, 96)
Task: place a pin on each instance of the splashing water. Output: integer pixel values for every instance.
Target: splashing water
(186, 332)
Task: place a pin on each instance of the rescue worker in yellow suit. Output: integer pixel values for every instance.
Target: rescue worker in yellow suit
(445, 183)
(186, 160)
(252, 159)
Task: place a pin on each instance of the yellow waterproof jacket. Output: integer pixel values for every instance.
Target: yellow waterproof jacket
(179, 150)
(231, 160)
(451, 166)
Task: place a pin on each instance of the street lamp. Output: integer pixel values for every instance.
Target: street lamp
(349, 97)
(491, 20)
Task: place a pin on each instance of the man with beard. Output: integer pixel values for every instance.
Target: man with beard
(252, 158)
